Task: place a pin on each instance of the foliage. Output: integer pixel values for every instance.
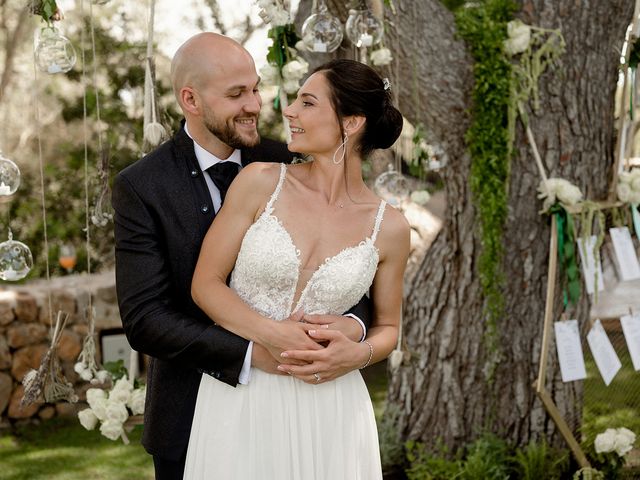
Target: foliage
(483, 27)
(284, 37)
(538, 460)
(391, 448)
(431, 465)
(489, 457)
(45, 8)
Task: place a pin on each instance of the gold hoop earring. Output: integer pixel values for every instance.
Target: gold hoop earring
(343, 145)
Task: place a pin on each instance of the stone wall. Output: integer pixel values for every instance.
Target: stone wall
(25, 335)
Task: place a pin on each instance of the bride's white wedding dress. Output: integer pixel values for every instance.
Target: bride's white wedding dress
(278, 427)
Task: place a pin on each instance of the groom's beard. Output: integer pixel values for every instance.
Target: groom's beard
(226, 131)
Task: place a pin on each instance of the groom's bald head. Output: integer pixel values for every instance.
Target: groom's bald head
(202, 58)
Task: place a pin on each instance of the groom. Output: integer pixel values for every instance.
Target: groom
(164, 205)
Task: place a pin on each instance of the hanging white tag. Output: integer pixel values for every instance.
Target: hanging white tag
(631, 329)
(320, 47)
(603, 353)
(591, 269)
(569, 351)
(625, 253)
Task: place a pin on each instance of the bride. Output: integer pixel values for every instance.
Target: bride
(309, 237)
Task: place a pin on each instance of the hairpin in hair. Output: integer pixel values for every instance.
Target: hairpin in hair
(386, 83)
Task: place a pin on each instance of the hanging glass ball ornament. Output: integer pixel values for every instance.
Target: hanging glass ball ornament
(392, 186)
(322, 32)
(54, 52)
(9, 177)
(15, 260)
(363, 28)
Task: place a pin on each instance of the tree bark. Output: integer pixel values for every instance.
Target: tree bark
(442, 391)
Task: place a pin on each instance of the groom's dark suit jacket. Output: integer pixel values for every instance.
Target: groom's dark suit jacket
(163, 210)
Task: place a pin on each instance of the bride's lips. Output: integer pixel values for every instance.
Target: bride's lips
(295, 130)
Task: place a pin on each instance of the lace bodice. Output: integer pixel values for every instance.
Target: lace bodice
(268, 268)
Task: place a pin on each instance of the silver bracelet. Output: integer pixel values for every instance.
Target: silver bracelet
(370, 355)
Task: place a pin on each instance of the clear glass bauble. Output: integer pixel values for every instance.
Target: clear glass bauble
(15, 260)
(438, 158)
(322, 32)
(392, 186)
(54, 52)
(9, 177)
(363, 28)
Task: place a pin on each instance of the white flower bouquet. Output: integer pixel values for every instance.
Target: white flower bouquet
(611, 448)
(113, 408)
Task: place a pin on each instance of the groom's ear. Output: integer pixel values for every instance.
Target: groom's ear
(353, 124)
(188, 100)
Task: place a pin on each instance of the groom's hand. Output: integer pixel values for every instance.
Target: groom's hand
(290, 334)
(262, 359)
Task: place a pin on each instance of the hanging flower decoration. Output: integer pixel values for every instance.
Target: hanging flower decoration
(16, 260)
(285, 68)
(628, 188)
(113, 408)
(558, 190)
(9, 176)
(54, 53)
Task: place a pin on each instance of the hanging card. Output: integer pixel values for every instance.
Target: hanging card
(569, 351)
(625, 253)
(591, 268)
(631, 329)
(603, 353)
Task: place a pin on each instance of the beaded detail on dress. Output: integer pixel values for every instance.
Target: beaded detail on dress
(267, 269)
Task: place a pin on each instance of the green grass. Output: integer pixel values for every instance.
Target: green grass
(60, 449)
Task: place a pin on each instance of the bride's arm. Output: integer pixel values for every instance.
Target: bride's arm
(244, 202)
(386, 292)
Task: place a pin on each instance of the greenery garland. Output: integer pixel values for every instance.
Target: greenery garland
(484, 28)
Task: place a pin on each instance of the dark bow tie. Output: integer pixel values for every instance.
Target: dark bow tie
(222, 174)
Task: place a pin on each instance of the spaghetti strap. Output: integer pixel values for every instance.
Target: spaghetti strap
(376, 227)
(274, 196)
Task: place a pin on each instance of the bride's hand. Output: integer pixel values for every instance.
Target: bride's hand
(347, 325)
(341, 356)
(290, 334)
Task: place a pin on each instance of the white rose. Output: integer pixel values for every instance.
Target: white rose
(568, 193)
(88, 419)
(99, 408)
(269, 74)
(94, 395)
(121, 390)
(605, 442)
(280, 17)
(110, 429)
(136, 401)
(301, 46)
(291, 86)
(116, 412)
(102, 376)
(381, 57)
(421, 197)
(519, 37)
(624, 192)
(86, 375)
(624, 441)
(79, 367)
(295, 69)
(635, 183)
(265, 3)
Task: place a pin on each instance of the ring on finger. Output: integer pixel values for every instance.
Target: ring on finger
(317, 376)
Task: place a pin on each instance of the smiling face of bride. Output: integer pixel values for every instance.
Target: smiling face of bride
(312, 119)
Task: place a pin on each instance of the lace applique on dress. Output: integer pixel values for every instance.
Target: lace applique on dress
(267, 269)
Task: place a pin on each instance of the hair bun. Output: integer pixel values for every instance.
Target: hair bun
(387, 127)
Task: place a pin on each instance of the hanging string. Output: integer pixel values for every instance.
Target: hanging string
(42, 191)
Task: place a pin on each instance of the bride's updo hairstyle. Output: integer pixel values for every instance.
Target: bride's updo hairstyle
(357, 89)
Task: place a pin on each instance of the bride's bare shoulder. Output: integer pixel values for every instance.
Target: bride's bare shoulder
(395, 233)
(258, 177)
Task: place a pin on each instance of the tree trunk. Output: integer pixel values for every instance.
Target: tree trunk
(442, 391)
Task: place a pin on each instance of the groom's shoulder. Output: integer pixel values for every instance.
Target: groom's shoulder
(159, 159)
